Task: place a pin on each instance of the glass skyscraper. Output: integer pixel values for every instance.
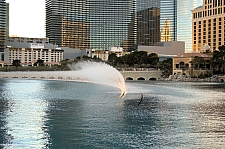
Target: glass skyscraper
(184, 21)
(91, 24)
(2, 24)
(148, 22)
(112, 24)
(168, 11)
(178, 12)
(101, 24)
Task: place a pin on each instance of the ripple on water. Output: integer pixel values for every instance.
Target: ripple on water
(57, 114)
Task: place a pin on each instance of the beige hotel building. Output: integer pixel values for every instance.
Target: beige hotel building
(208, 25)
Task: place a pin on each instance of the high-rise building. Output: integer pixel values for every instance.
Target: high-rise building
(178, 12)
(91, 24)
(166, 34)
(168, 12)
(7, 20)
(2, 24)
(184, 23)
(208, 25)
(101, 24)
(148, 22)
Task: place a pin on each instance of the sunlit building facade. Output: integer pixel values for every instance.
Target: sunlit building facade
(208, 25)
(168, 12)
(166, 33)
(101, 24)
(66, 23)
(2, 24)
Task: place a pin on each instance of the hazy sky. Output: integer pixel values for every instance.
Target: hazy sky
(27, 18)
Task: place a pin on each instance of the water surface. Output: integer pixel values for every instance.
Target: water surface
(59, 114)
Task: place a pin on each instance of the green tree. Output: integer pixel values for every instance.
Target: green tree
(39, 62)
(153, 59)
(197, 63)
(134, 59)
(166, 67)
(219, 59)
(16, 63)
(64, 65)
(112, 59)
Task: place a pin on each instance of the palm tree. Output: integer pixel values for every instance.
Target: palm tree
(196, 63)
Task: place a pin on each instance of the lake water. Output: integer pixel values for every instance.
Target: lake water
(59, 114)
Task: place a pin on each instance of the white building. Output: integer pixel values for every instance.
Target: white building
(104, 54)
(165, 49)
(29, 50)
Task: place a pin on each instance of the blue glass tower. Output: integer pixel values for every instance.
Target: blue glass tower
(184, 21)
(91, 24)
(168, 11)
(178, 12)
(101, 24)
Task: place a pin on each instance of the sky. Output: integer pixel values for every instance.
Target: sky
(27, 18)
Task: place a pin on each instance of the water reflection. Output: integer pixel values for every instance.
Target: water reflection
(55, 114)
(78, 114)
(209, 123)
(194, 120)
(4, 106)
(25, 114)
(64, 120)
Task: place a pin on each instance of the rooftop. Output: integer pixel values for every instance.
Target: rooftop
(193, 55)
(198, 7)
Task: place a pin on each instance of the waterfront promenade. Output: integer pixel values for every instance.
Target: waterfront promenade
(128, 74)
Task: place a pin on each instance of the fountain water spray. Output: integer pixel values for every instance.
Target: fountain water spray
(95, 72)
(99, 72)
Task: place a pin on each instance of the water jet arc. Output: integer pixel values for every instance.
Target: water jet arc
(93, 72)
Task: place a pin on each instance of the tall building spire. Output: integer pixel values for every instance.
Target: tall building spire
(166, 34)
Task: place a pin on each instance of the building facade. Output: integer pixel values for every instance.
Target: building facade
(2, 24)
(29, 50)
(165, 49)
(178, 13)
(166, 33)
(168, 12)
(184, 23)
(101, 24)
(148, 26)
(7, 20)
(182, 64)
(208, 25)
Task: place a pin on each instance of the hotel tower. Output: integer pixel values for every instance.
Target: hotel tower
(2, 24)
(101, 24)
(208, 25)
